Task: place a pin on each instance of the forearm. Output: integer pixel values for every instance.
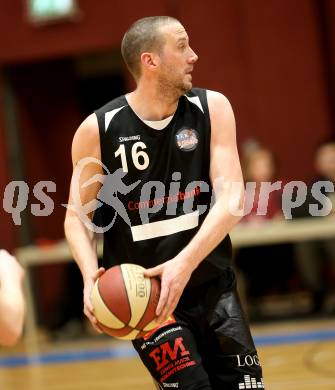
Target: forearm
(215, 227)
(82, 244)
(175, 273)
(12, 308)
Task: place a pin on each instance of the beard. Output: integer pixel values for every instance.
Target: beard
(173, 85)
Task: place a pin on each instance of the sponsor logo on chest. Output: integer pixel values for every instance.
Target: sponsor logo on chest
(187, 139)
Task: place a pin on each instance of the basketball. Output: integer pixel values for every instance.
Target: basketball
(125, 302)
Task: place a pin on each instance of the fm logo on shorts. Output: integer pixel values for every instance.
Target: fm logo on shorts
(247, 360)
(187, 139)
(160, 353)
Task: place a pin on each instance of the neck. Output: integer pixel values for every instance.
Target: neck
(152, 104)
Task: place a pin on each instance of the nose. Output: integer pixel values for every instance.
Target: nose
(193, 57)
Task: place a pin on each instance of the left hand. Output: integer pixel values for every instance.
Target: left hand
(174, 275)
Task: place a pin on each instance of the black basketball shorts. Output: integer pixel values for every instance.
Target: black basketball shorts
(206, 345)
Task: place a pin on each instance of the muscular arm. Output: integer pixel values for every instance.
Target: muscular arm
(225, 169)
(81, 239)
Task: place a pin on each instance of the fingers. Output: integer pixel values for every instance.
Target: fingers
(88, 304)
(162, 299)
(155, 271)
(98, 273)
(169, 294)
(169, 306)
(89, 312)
(93, 320)
(89, 309)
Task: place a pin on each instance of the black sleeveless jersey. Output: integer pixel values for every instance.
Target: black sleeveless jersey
(157, 190)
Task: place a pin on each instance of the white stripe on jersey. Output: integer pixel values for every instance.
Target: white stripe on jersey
(166, 227)
(195, 100)
(110, 115)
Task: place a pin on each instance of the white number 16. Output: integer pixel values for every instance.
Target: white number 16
(135, 155)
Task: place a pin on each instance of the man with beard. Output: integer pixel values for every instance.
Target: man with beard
(176, 140)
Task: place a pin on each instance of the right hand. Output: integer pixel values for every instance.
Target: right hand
(88, 307)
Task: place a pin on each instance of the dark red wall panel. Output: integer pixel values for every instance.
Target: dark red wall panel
(265, 56)
(49, 116)
(7, 228)
(100, 25)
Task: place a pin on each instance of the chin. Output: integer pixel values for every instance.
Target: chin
(187, 86)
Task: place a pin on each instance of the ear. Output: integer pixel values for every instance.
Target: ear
(149, 60)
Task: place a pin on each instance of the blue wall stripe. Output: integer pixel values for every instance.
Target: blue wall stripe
(294, 338)
(129, 352)
(68, 356)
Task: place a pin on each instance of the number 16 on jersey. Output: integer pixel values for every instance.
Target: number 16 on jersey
(139, 157)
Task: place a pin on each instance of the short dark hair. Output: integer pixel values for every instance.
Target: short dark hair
(142, 36)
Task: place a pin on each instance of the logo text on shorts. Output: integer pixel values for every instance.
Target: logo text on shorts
(171, 360)
(247, 360)
(173, 385)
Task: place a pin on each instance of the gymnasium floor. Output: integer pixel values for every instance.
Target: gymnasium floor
(295, 355)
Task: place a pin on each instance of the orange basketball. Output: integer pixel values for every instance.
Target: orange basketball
(125, 301)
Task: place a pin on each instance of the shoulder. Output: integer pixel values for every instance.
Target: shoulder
(86, 141)
(217, 99)
(212, 96)
(88, 129)
(116, 103)
(220, 110)
(106, 113)
(218, 104)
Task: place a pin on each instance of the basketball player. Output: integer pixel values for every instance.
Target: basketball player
(12, 305)
(178, 142)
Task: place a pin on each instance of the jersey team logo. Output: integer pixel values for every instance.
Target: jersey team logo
(187, 139)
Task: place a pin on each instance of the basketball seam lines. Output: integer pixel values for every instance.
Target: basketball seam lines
(102, 298)
(126, 291)
(151, 292)
(126, 324)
